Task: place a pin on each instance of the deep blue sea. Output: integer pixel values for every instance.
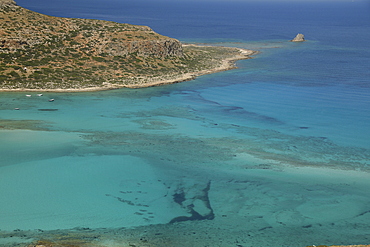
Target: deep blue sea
(274, 153)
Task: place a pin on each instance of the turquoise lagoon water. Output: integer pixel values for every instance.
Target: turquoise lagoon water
(274, 153)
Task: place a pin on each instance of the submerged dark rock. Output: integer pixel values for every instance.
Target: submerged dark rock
(179, 197)
(196, 202)
(47, 109)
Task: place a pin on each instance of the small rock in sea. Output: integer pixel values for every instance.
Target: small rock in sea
(298, 38)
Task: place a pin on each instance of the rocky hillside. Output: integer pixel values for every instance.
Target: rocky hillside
(44, 52)
(6, 2)
(23, 29)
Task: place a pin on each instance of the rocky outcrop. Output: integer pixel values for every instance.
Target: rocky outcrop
(298, 38)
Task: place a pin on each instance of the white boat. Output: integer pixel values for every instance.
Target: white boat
(51, 100)
(28, 95)
(40, 94)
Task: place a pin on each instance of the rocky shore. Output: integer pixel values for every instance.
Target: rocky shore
(223, 65)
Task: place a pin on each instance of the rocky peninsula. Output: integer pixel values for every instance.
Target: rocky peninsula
(46, 53)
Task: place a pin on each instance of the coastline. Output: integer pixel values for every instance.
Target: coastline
(226, 64)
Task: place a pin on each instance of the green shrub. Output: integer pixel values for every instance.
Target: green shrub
(14, 74)
(99, 59)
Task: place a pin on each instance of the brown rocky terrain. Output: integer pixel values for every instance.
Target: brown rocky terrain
(50, 53)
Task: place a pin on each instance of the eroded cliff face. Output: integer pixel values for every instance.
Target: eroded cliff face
(25, 29)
